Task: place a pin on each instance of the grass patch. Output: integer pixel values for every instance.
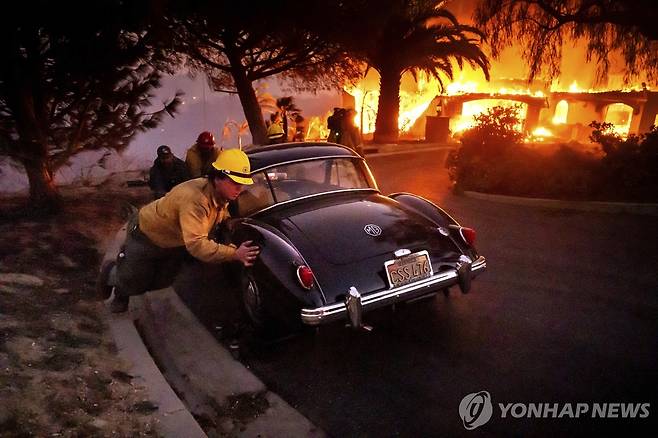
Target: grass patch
(91, 326)
(68, 385)
(72, 341)
(16, 424)
(61, 361)
(144, 407)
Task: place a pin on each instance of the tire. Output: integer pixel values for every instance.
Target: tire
(252, 303)
(264, 325)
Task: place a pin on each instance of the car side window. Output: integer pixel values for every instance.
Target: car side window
(344, 174)
(256, 196)
(295, 180)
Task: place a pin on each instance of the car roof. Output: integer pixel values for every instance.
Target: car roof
(265, 156)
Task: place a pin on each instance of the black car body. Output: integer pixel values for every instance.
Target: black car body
(332, 246)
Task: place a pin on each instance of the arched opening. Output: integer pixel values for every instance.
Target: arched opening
(473, 108)
(620, 115)
(561, 113)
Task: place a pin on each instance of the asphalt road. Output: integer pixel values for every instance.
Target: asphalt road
(566, 313)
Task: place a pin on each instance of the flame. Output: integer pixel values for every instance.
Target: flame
(574, 87)
(561, 113)
(540, 134)
(459, 87)
(316, 129)
(415, 98)
(620, 116)
(470, 110)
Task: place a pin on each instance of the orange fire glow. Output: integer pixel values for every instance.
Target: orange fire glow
(558, 118)
(415, 98)
(415, 102)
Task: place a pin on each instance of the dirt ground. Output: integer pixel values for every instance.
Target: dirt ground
(59, 372)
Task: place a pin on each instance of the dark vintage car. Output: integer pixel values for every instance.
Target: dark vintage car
(332, 246)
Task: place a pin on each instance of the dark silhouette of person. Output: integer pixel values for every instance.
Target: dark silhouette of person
(334, 123)
(167, 171)
(350, 135)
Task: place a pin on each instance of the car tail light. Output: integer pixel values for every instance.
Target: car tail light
(468, 234)
(305, 276)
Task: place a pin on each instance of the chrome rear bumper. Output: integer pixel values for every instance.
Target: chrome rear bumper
(441, 280)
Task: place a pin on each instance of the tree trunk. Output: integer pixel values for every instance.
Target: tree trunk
(252, 111)
(43, 192)
(33, 145)
(248, 99)
(386, 126)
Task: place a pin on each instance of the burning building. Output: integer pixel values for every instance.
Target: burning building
(560, 109)
(547, 110)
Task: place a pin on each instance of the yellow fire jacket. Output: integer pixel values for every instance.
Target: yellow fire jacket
(197, 165)
(185, 216)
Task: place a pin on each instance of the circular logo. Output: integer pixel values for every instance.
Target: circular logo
(372, 230)
(475, 409)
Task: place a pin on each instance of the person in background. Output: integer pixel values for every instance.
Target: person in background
(201, 154)
(334, 123)
(350, 134)
(162, 232)
(275, 132)
(167, 171)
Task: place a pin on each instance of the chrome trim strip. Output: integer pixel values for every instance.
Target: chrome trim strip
(332, 312)
(301, 160)
(315, 195)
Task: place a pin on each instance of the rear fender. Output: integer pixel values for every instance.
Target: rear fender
(437, 215)
(426, 208)
(277, 261)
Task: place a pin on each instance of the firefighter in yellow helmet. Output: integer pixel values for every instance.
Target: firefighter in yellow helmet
(275, 132)
(164, 230)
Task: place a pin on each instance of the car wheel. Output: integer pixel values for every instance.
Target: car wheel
(252, 301)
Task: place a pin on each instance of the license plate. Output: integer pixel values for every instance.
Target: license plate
(408, 269)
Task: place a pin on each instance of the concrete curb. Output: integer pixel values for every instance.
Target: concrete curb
(200, 369)
(600, 207)
(173, 418)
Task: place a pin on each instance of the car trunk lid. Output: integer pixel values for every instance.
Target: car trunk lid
(358, 229)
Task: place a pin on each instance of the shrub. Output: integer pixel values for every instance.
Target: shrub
(473, 166)
(492, 159)
(629, 168)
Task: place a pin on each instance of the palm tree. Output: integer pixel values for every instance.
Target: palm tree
(418, 35)
(240, 130)
(287, 108)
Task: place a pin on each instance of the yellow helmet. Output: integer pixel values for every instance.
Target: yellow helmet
(275, 131)
(235, 164)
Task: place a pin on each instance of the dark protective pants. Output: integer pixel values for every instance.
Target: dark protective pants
(144, 266)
